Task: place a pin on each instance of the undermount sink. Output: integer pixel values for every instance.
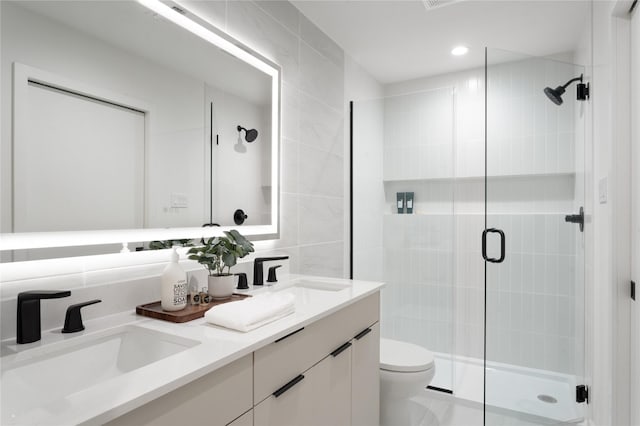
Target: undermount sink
(41, 378)
(321, 285)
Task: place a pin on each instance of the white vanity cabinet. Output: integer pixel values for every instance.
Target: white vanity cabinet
(307, 377)
(325, 373)
(321, 397)
(215, 399)
(365, 378)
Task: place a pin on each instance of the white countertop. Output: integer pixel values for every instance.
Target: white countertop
(217, 347)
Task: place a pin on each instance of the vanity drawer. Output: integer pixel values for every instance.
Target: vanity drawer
(320, 396)
(278, 363)
(215, 399)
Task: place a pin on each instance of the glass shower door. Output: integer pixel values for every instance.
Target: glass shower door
(403, 217)
(533, 244)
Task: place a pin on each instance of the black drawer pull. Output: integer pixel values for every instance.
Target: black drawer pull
(289, 335)
(362, 334)
(340, 349)
(288, 386)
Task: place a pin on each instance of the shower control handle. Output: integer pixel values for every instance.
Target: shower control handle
(484, 245)
(576, 218)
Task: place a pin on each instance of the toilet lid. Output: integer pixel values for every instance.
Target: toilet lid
(404, 356)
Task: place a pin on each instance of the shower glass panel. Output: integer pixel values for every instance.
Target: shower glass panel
(403, 149)
(534, 333)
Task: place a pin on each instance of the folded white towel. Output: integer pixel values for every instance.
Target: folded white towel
(252, 312)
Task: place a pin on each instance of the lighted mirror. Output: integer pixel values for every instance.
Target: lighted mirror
(130, 122)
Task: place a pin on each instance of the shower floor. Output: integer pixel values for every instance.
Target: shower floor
(546, 395)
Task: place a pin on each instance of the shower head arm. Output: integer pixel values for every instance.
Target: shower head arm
(572, 80)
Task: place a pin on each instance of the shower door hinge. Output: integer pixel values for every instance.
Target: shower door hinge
(582, 394)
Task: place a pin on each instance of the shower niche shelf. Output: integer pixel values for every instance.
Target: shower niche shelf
(481, 177)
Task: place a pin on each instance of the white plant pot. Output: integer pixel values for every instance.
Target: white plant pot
(221, 286)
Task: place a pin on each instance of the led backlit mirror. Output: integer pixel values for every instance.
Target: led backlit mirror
(131, 122)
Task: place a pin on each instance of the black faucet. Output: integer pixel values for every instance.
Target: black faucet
(257, 268)
(272, 278)
(73, 317)
(28, 324)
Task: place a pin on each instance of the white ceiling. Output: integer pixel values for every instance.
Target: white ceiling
(402, 40)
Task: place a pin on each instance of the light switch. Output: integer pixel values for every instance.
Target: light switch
(602, 190)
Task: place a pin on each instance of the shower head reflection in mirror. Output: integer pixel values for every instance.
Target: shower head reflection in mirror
(250, 135)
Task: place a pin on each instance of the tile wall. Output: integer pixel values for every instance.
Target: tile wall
(535, 298)
(312, 175)
(433, 264)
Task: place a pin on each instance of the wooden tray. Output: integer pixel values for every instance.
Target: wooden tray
(191, 312)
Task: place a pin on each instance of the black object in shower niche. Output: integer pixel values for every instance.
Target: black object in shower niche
(404, 202)
(408, 197)
(400, 202)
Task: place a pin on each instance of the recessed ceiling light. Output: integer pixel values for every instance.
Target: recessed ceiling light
(459, 50)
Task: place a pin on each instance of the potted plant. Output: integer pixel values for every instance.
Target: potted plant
(218, 254)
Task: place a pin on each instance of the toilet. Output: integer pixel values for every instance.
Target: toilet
(405, 370)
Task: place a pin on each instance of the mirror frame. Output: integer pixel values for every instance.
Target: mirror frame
(180, 16)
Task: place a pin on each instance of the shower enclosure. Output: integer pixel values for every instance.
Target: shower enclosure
(534, 327)
(494, 168)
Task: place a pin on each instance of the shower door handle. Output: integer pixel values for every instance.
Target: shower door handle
(484, 245)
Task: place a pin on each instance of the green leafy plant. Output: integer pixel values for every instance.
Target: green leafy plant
(167, 244)
(219, 253)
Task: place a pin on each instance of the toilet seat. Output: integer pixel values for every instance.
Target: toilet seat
(404, 357)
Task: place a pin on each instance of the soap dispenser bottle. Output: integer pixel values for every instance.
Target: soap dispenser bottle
(174, 285)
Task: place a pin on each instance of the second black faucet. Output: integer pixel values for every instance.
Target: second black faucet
(258, 273)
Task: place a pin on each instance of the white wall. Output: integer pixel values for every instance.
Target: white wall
(312, 170)
(599, 297)
(608, 269)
